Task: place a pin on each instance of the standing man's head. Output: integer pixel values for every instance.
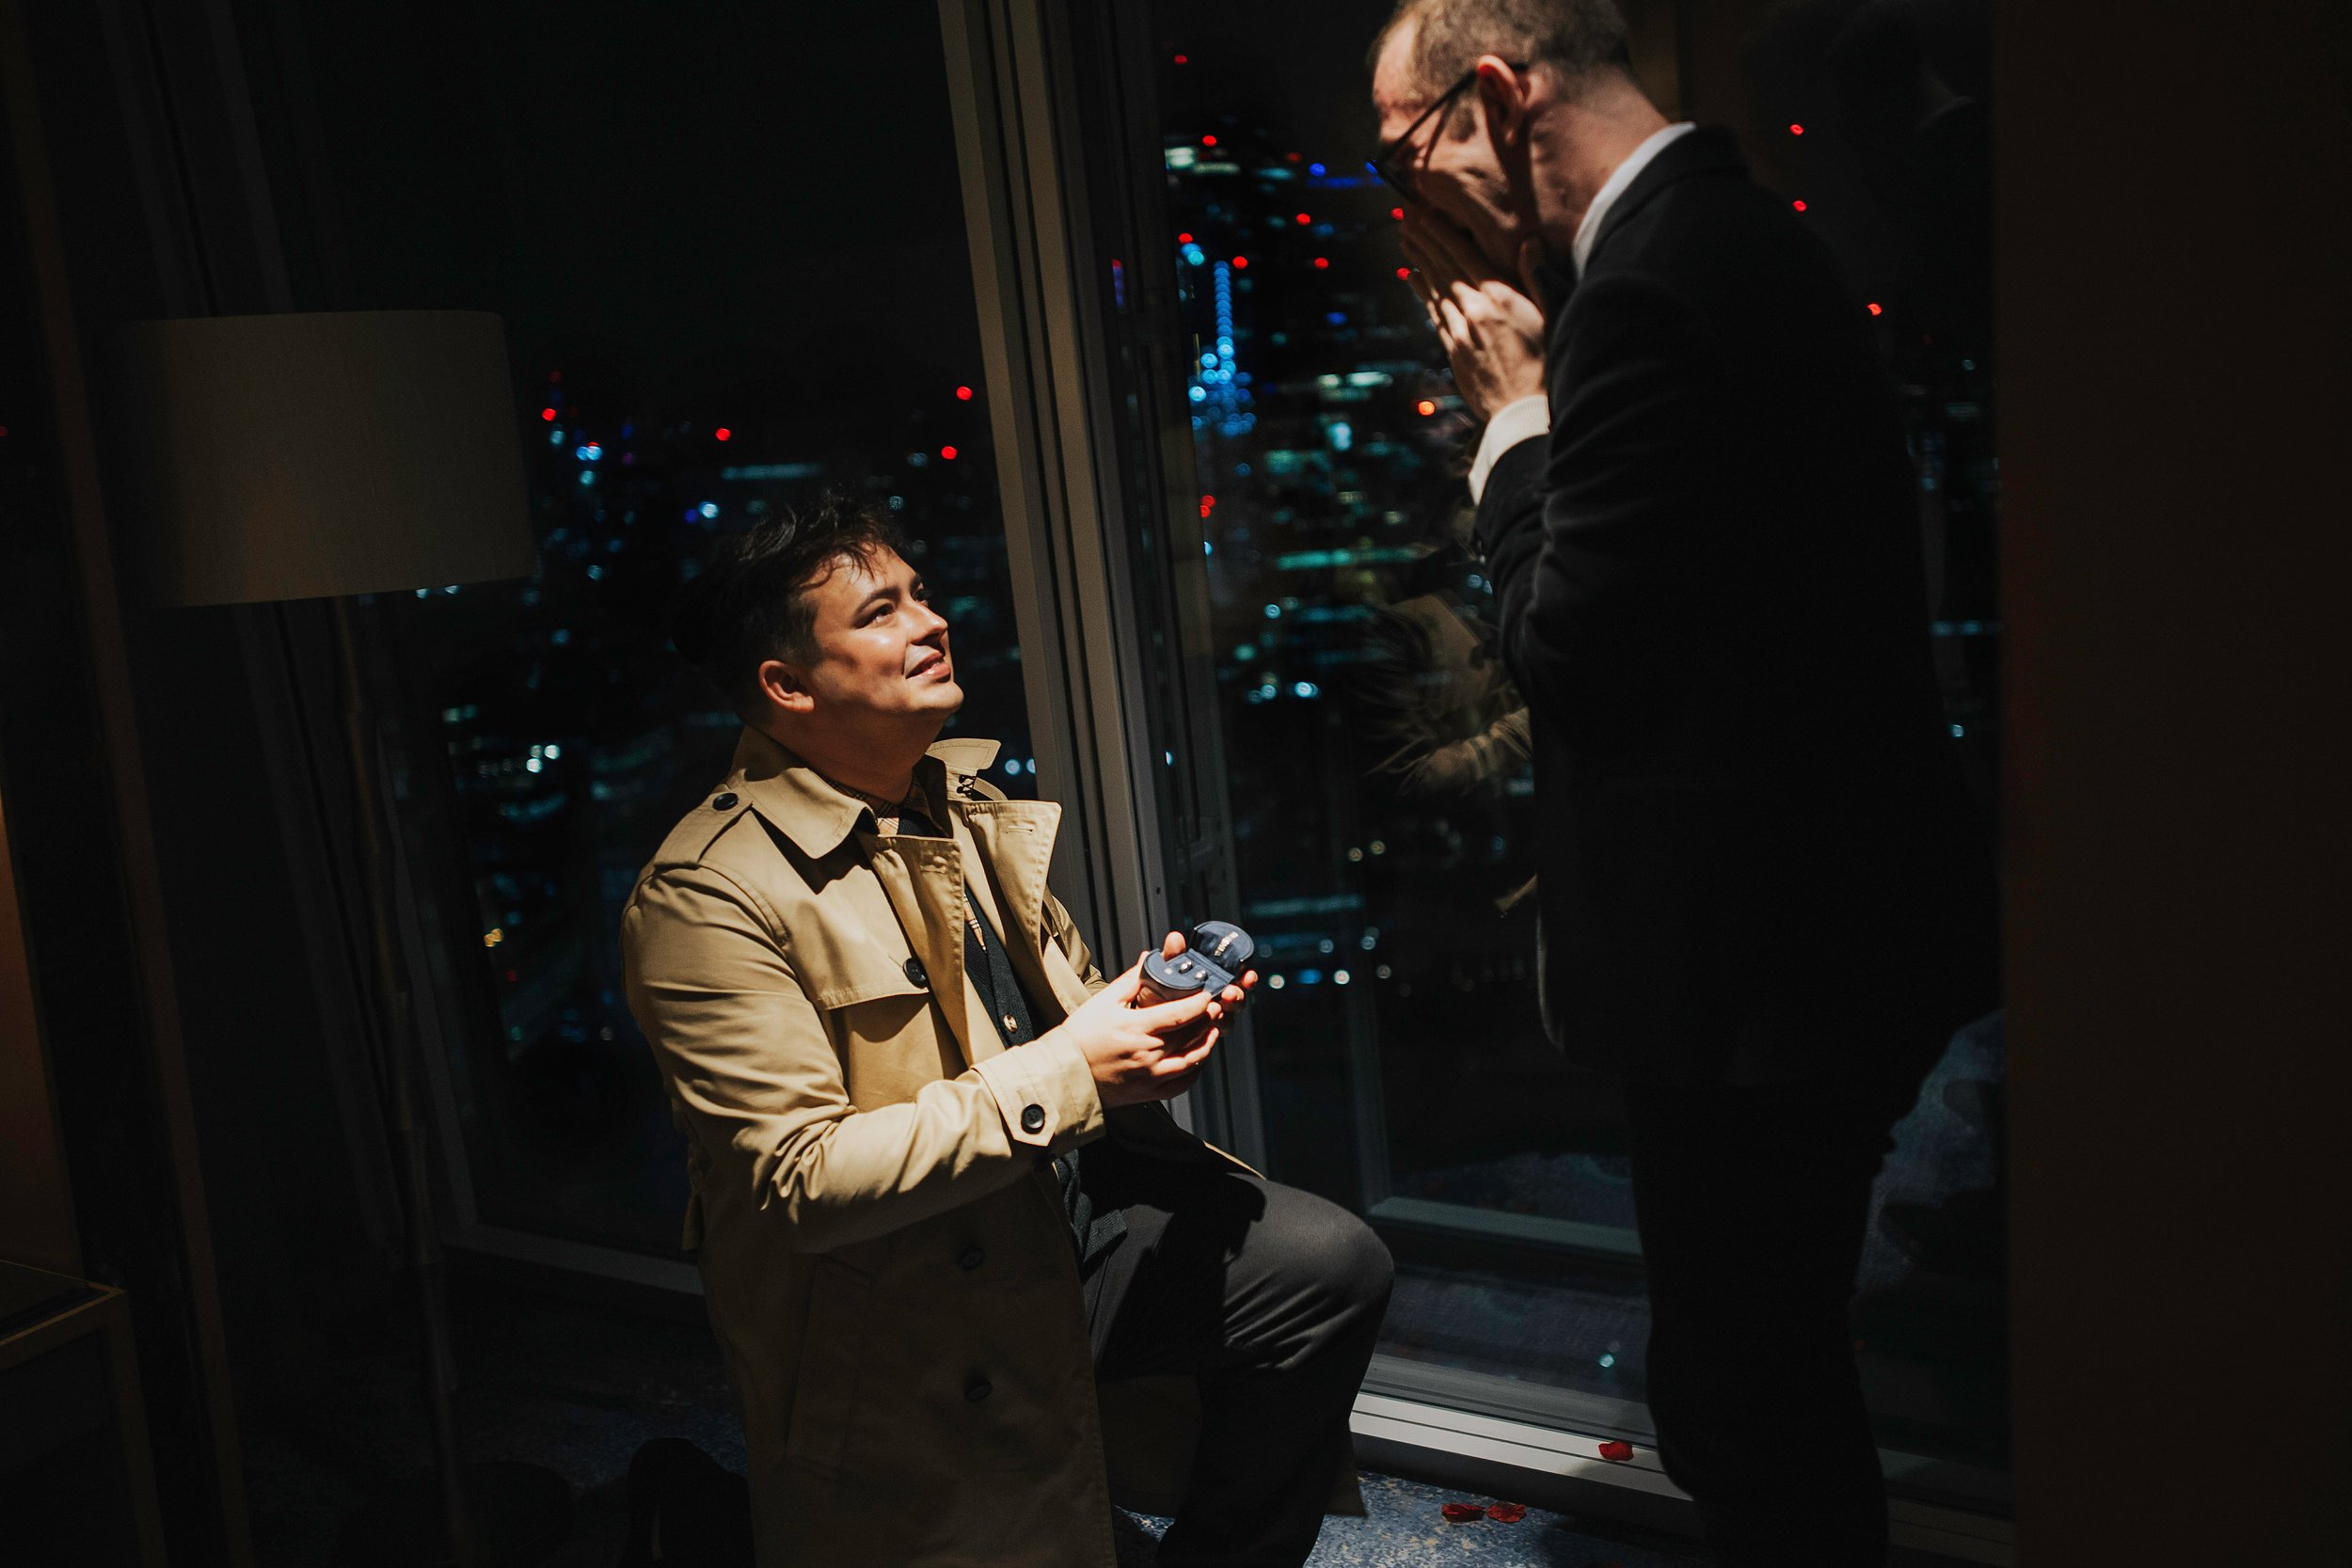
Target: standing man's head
(825, 639)
(1505, 116)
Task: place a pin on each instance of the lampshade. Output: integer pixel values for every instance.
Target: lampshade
(306, 456)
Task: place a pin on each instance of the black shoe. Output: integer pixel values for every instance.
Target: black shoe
(686, 1509)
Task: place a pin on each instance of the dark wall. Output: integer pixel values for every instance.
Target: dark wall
(2172, 287)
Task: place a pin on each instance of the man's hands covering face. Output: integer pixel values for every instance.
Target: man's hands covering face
(1491, 326)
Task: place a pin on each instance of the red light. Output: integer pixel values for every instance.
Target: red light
(1183, 239)
(1208, 504)
(1301, 219)
(1397, 213)
(723, 434)
(963, 394)
(1425, 408)
(1241, 260)
(1405, 272)
(1798, 205)
(1183, 60)
(548, 414)
(1208, 141)
(1291, 156)
(946, 454)
(555, 375)
(1321, 261)
(512, 976)
(1796, 129)
(1874, 309)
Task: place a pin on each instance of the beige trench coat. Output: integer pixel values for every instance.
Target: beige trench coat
(887, 1264)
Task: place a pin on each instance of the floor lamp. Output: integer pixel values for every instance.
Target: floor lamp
(323, 456)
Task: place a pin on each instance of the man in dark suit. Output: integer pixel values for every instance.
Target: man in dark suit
(1766, 901)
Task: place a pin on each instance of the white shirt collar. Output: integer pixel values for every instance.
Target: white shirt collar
(1580, 249)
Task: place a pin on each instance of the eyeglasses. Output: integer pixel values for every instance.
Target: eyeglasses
(1392, 163)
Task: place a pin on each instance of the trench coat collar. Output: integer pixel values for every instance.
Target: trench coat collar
(809, 809)
(923, 877)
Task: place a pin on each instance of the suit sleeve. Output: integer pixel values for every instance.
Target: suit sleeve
(1583, 529)
(711, 983)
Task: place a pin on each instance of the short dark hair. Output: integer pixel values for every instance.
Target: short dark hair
(750, 604)
(1579, 38)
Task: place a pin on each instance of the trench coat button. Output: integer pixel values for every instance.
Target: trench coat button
(916, 973)
(1033, 1118)
(970, 1257)
(977, 1392)
(724, 802)
(1012, 1024)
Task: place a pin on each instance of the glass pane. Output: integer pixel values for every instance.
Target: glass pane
(734, 276)
(1376, 757)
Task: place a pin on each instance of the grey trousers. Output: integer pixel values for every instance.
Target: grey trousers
(1272, 1298)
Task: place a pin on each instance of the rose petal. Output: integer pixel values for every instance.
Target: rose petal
(1506, 1513)
(1616, 1448)
(1461, 1513)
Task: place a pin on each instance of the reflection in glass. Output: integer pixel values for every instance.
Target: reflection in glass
(1382, 799)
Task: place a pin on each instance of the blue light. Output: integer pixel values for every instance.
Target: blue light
(1199, 393)
(1957, 731)
(1314, 168)
(1195, 255)
(1208, 360)
(1606, 1360)
(1342, 435)
(1306, 689)
(711, 509)
(587, 476)
(1337, 318)
(1310, 977)
(555, 438)
(596, 574)
(588, 453)
(1274, 612)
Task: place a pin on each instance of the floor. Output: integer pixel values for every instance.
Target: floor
(578, 1386)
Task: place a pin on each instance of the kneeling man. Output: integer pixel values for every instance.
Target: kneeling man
(936, 1189)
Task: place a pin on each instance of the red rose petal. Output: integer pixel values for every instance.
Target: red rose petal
(1506, 1513)
(1616, 1448)
(1461, 1513)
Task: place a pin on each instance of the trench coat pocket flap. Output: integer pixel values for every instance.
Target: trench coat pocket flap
(845, 968)
(834, 1357)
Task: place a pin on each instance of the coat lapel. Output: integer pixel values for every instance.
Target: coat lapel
(1016, 840)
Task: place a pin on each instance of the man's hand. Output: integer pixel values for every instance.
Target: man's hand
(1143, 1054)
(1492, 328)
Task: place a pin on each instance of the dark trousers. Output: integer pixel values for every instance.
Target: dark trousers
(1272, 1298)
(1752, 1204)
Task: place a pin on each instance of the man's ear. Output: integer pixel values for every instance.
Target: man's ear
(1502, 100)
(785, 687)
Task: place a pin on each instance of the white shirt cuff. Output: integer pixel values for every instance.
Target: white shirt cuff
(1513, 422)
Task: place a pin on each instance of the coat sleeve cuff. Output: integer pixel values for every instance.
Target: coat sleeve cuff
(1521, 420)
(1046, 1093)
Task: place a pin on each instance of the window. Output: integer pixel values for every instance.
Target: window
(1375, 756)
(734, 276)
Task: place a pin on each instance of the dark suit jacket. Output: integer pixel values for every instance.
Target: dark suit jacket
(1758, 860)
